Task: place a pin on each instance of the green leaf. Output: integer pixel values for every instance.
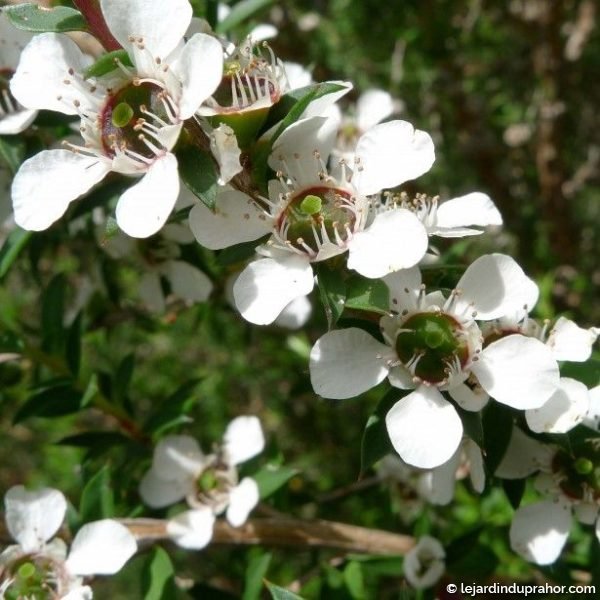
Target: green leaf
(279, 593)
(375, 441)
(497, 431)
(354, 580)
(90, 391)
(95, 439)
(123, 376)
(241, 12)
(587, 372)
(514, 490)
(53, 303)
(332, 291)
(158, 576)
(199, 173)
(108, 63)
(73, 344)
(56, 401)
(97, 497)
(368, 294)
(271, 477)
(173, 410)
(14, 243)
(240, 252)
(31, 17)
(472, 424)
(255, 572)
(12, 151)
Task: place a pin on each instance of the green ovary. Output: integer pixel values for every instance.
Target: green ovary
(580, 474)
(435, 338)
(32, 578)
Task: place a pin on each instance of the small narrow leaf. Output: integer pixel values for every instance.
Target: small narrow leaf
(56, 401)
(199, 173)
(107, 63)
(158, 576)
(240, 252)
(255, 572)
(354, 580)
(270, 478)
(514, 490)
(97, 497)
(12, 151)
(73, 345)
(14, 243)
(53, 304)
(240, 12)
(368, 294)
(279, 593)
(332, 291)
(38, 19)
(497, 431)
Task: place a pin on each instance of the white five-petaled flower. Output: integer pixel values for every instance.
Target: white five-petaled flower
(425, 563)
(434, 344)
(39, 563)
(570, 482)
(130, 118)
(14, 118)
(208, 482)
(313, 216)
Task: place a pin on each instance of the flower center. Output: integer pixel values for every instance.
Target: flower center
(430, 345)
(32, 577)
(579, 477)
(125, 117)
(317, 216)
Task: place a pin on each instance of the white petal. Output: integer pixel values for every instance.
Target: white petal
(12, 42)
(32, 518)
(568, 341)
(390, 154)
(475, 208)
(262, 32)
(45, 185)
(266, 286)
(225, 149)
(199, 67)
(523, 457)
(517, 371)
(586, 512)
(592, 419)
(236, 219)
(346, 363)
(81, 593)
(242, 499)
(192, 529)
(39, 82)
(243, 439)
(144, 208)
(162, 25)
(296, 147)
(495, 286)
(372, 107)
(395, 240)
(469, 399)
(298, 75)
(158, 492)
(187, 282)
(424, 564)
(404, 286)
(424, 428)
(565, 409)
(295, 314)
(439, 482)
(539, 531)
(101, 548)
(476, 468)
(325, 106)
(16, 122)
(177, 458)
(150, 292)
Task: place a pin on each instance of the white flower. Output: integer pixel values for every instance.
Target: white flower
(130, 119)
(36, 563)
(434, 344)
(425, 563)
(208, 482)
(314, 216)
(13, 117)
(571, 485)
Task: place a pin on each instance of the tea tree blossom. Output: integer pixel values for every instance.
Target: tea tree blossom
(425, 563)
(39, 566)
(208, 482)
(14, 118)
(130, 118)
(434, 344)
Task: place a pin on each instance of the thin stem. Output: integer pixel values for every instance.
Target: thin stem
(90, 9)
